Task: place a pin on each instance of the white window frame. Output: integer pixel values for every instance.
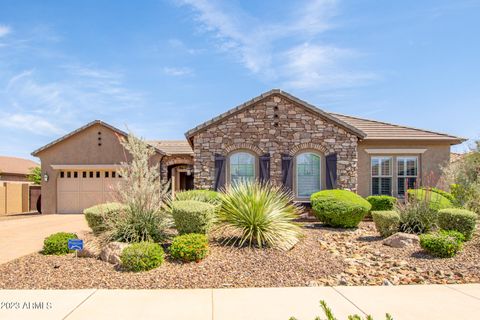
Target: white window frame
(230, 164)
(380, 175)
(296, 172)
(404, 159)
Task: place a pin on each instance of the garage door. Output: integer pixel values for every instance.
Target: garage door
(80, 189)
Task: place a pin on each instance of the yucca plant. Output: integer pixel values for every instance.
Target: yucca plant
(263, 215)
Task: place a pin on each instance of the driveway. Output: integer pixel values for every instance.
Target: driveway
(23, 236)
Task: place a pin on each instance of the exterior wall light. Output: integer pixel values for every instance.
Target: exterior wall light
(45, 177)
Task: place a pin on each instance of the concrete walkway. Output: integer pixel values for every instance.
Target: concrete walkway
(19, 237)
(402, 302)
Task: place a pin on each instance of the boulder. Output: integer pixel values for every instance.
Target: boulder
(92, 248)
(402, 240)
(112, 251)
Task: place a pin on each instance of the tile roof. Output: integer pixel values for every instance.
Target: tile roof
(15, 165)
(377, 130)
(172, 146)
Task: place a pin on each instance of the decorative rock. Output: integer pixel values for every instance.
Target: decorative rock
(112, 251)
(402, 240)
(92, 248)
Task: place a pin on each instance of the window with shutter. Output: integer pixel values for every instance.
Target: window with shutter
(308, 174)
(242, 167)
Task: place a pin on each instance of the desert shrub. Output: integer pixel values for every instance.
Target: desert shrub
(435, 200)
(189, 247)
(142, 256)
(193, 216)
(463, 176)
(386, 222)
(146, 215)
(339, 208)
(443, 244)
(329, 314)
(57, 243)
(97, 215)
(382, 203)
(208, 196)
(261, 214)
(416, 216)
(460, 220)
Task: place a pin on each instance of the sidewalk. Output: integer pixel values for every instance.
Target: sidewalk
(402, 302)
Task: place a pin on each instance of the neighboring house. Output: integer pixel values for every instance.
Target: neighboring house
(275, 137)
(15, 169)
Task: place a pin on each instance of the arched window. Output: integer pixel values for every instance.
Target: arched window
(242, 167)
(308, 174)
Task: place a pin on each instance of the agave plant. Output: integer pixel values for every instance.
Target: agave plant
(262, 213)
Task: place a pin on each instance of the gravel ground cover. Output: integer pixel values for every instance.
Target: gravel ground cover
(324, 257)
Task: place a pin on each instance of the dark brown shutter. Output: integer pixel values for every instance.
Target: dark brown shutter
(219, 172)
(264, 174)
(287, 171)
(331, 160)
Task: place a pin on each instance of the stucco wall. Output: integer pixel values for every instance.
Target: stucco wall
(81, 148)
(275, 125)
(437, 154)
(13, 177)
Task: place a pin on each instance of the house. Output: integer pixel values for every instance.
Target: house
(15, 169)
(275, 137)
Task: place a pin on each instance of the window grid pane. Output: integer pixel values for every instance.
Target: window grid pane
(242, 167)
(308, 174)
(381, 175)
(407, 174)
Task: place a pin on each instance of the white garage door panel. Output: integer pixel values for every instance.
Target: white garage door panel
(78, 190)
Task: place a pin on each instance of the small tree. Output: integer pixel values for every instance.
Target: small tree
(146, 215)
(35, 175)
(463, 176)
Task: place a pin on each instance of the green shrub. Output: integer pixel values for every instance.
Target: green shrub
(443, 244)
(443, 193)
(189, 247)
(460, 220)
(208, 196)
(386, 222)
(339, 208)
(435, 200)
(97, 215)
(329, 314)
(261, 214)
(57, 243)
(142, 256)
(193, 216)
(382, 203)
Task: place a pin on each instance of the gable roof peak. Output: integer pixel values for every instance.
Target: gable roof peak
(189, 134)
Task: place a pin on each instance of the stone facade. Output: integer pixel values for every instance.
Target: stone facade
(171, 160)
(275, 125)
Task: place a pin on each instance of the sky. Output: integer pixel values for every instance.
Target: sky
(159, 68)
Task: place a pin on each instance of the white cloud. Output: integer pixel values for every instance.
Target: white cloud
(31, 123)
(178, 72)
(4, 30)
(271, 49)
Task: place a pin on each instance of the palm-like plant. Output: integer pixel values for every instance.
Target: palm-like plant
(262, 213)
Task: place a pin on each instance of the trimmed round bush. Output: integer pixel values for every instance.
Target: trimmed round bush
(193, 216)
(463, 221)
(382, 203)
(97, 215)
(208, 196)
(189, 247)
(142, 256)
(435, 200)
(57, 243)
(443, 193)
(386, 222)
(443, 244)
(339, 208)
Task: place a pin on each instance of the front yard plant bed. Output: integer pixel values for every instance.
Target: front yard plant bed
(325, 256)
